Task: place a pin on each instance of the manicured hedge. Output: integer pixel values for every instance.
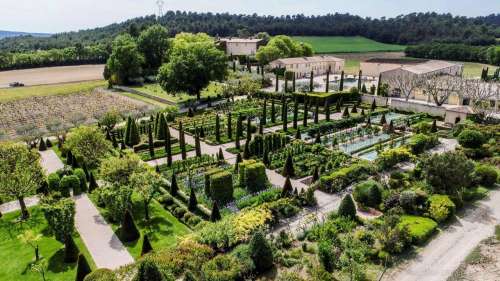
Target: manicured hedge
(67, 183)
(469, 138)
(389, 158)
(368, 193)
(221, 187)
(486, 175)
(440, 207)
(242, 170)
(343, 177)
(421, 142)
(255, 177)
(420, 228)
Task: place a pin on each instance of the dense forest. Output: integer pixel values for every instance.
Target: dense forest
(408, 29)
(458, 52)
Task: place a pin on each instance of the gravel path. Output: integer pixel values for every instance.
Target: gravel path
(442, 256)
(14, 205)
(50, 161)
(105, 247)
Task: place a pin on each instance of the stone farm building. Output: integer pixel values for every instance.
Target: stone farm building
(302, 66)
(386, 67)
(240, 46)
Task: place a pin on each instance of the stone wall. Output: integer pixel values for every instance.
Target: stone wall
(409, 106)
(381, 101)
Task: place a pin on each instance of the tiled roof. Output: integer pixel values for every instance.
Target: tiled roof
(314, 59)
(240, 40)
(429, 66)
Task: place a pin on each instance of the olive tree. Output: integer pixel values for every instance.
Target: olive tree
(20, 173)
(118, 170)
(147, 184)
(87, 144)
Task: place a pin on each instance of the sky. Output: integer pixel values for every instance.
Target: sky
(53, 16)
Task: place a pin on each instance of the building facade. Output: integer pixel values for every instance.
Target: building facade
(302, 66)
(240, 46)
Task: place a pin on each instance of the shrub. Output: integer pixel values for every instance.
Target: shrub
(420, 142)
(129, 230)
(67, 183)
(83, 268)
(408, 200)
(261, 252)
(420, 228)
(83, 179)
(471, 138)
(341, 178)
(440, 207)
(347, 208)
(256, 178)
(486, 175)
(102, 274)
(148, 271)
(389, 158)
(368, 193)
(326, 255)
(53, 182)
(207, 178)
(422, 127)
(222, 268)
(221, 187)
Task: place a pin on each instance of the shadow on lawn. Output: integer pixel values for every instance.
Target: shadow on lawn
(56, 262)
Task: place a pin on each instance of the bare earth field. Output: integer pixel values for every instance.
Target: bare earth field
(36, 116)
(52, 75)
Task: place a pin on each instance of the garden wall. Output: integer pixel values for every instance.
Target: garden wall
(382, 101)
(410, 106)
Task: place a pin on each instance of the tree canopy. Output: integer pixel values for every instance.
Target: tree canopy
(125, 61)
(282, 46)
(153, 43)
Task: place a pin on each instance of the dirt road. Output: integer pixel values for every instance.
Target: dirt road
(443, 255)
(52, 75)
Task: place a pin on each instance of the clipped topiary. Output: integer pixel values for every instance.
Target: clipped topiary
(42, 146)
(215, 214)
(471, 138)
(347, 208)
(102, 274)
(345, 114)
(148, 271)
(287, 188)
(53, 182)
(70, 250)
(129, 230)
(70, 182)
(288, 169)
(255, 177)
(486, 175)
(221, 187)
(261, 252)
(80, 173)
(83, 268)
(173, 185)
(193, 202)
(146, 245)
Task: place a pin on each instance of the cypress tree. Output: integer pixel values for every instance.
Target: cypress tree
(146, 245)
(315, 176)
(318, 138)
(311, 82)
(69, 158)
(338, 105)
(354, 109)
(297, 134)
(234, 66)
(168, 147)
(70, 250)
(433, 128)
(316, 113)
(229, 126)
(92, 182)
(283, 100)
(246, 151)
(162, 127)
(379, 83)
(193, 202)
(173, 185)
(362, 112)
(327, 88)
(288, 169)
(135, 137)
(82, 269)
(249, 129)
(286, 83)
(150, 141)
(217, 128)
(273, 112)
(368, 121)
(215, 214)
(306, 112)
(345, 114)
(285, 116)
(277, 86)
(42, 145)
(327, 109)
(265, 158)
(293, 83)
(220, 155)
(374, 105)
(127, 130)
(261, 252)
(391, 127)
(261, 126)
(182, 141)
(287, 188)
(341, 86)
(129, 230)
(359, 79)
(148, 271)
(363, 89)
(347, 208)
(383, 121)
(264, 112)
(48, 143)
(239, 128)
(295, 113)
(197, 145)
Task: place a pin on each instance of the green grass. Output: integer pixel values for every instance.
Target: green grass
(164, 229)
(157, 91)
(10, 94)
(352, 66)
(347, 44)
(17, 257)
(473, 69)
(420, 228)
(144, 99)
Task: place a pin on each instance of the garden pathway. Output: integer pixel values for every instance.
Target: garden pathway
(50, 161)
(105, 247)
(12, 206)
(442, 256)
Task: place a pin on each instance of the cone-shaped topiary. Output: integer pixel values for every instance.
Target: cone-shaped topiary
(127, 130)
(345, 114)
(217, 128)
(347, 208)
(83, 268)
(215, 214)
(362, 112)
(129, 230)
(374, 105)
(173, 185)
(162, 128)
(69, 158)
(48, 143)
(220, 155)
(261, 252)
(391, 126)
(70, 250)
(148, 271)
(193, 202)
(265, 158)
(146, 245)
(287, 188)
(383, 121)
(288, 169)
(239, 131)
(354, 109)
(134, 137)
(341, 86)
(298, 136)
(168, 147)
(197, 145)
(315, 176)
(42, 146)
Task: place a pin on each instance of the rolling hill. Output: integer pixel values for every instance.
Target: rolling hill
(8, 34)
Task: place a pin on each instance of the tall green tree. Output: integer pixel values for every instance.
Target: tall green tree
(239, 131)
(168, 147)
(147, 184)
(229, 126)
(341, 86)
(88, 144)
(295, 113)
(125, 61)
(182, 141)
(153, 44)
(217, 128)
(151, 144)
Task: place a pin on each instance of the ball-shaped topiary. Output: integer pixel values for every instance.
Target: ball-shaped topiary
(69, 182)
(486, 175)
(261, 252)
(347, 208)
(471, 138)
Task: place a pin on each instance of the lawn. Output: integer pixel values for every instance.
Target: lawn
(10, 94)
(164, 229)
(157, 91)
(347, 44)
(20, 255)
(473, 69)
(144, 99)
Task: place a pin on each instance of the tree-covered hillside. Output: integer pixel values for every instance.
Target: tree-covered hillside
(408, 29)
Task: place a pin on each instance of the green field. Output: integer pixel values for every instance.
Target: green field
(473, 69)
(10, 94)
(343, 44)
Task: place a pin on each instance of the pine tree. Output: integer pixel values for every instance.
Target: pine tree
(374, 105)
(295, 113)
(229, 127)
(217, 128)
(261, 252)
(42, 145)
(173, 185)
(182, 142)
(287, 188)
(193, 202)
(197, 145)
(297, 134)
(239, 129)
(327, 109)
(315, 176)
(82, 269)
(318, 138)
(151, 142)
(70, 250)
(434, 126)
(129, 230)
(341, 86)
(148, 271)
(215, 214)
(273, 111)
(146, 245)
(347, 208)
(345, 114)
(92, 182)
(288, 169)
